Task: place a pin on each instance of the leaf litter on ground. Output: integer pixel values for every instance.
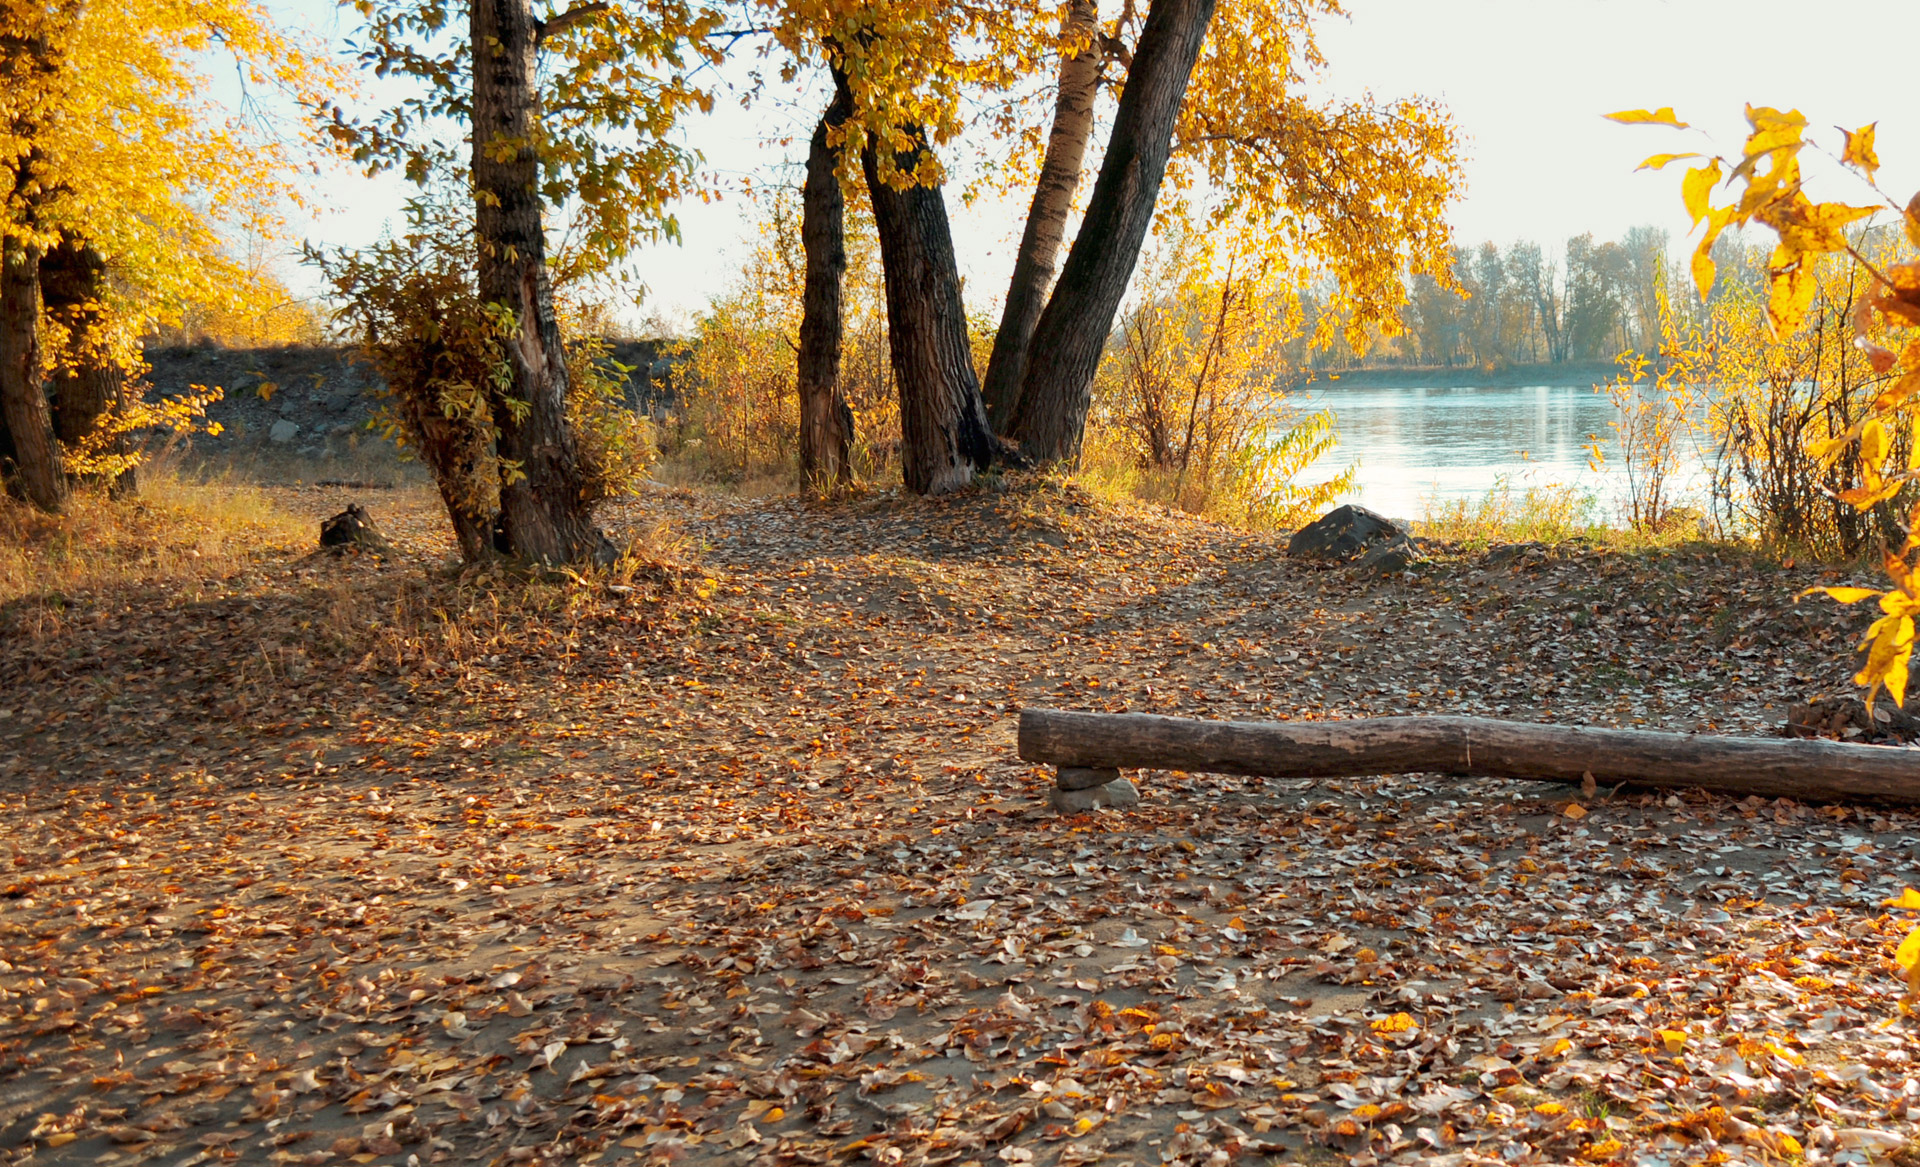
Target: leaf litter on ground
(344, 861)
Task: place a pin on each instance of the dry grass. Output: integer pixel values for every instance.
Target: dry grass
(1543, 514)
(179, 528)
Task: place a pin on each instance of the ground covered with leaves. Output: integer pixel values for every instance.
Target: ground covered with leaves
(729, 859)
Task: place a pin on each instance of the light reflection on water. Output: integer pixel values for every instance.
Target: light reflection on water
(1416, 446)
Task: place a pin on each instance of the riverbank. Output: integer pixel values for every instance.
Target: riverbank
(1573, 374)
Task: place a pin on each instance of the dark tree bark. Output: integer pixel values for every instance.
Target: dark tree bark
(87, 382)
(1051, 416)
(546, 507)
(455, 450)
(23, 398)
(1033, 266)
(29, 58)
(943, 425)
(826, 424)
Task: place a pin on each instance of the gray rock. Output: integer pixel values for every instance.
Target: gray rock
(1390, 558)
(341, 400)
(288, 406)
(1082, 778)
(1344, 532)
(1119, 792)
(283, 431)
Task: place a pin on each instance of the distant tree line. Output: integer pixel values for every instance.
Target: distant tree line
(1522, 305)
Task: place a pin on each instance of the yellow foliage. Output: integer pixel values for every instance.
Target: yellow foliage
(1186, 407)
(1772, 194)
(159, 194)
(740, 407)
(1661, 117)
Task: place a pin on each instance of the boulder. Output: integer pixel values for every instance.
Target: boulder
(1344, 532)
(1082, 778)
(352, 531)
(341, 400)
(1119, 792)
(283, 431)
(1391, 558)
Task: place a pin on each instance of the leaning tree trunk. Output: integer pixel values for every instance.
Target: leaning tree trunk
(23, 398)
(87, 382)
(1033, 266)
(943, 426)
(826, 424)
(455, 449)
(1052, 413)
(546, 507)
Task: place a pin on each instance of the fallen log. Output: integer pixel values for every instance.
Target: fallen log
(1472, 747)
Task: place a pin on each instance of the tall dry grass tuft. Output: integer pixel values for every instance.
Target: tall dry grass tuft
(178, 529)
(1533, 514)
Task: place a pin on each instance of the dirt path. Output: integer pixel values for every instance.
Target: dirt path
(336, 862)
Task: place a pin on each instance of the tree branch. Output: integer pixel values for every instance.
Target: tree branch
(542, 29)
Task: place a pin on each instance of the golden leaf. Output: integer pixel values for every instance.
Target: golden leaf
(1909, 899)
(1860, 149)
(1657, 117)
(1659, 162)
(1845, 595)
(1908, 954)
(1697, 186)
(1874, 443)
(1675, 1040)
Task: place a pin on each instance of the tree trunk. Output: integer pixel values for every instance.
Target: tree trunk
(455, 451)
(943, 425)
(546, 506)
(87, 382)
(1472, 746)
(1051, 416)
(23, 398)
(826, 423)
(1033, 266)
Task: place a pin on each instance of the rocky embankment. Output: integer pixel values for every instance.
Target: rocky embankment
(320, 401)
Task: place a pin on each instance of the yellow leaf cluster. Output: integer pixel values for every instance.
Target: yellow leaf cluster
(178, 175)
(1906, 958)
(1770, 184)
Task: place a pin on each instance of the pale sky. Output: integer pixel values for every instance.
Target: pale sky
(1526, 80)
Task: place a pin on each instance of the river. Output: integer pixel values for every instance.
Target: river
(1420, 446)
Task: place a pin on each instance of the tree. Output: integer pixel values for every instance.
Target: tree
(152, 201)
(1051, 415)
(1081, 56)
(89, 382)
(31, 58)
(543, 498)
(1539, 279)
(1355, 190)
(945, 436)
(826, 423)
(1596, 287)
(587, 127)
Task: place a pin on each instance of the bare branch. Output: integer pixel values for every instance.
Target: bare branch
(542, 29)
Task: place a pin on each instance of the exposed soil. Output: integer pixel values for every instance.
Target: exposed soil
(341, 860)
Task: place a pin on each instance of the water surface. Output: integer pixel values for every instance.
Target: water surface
(1418, 447)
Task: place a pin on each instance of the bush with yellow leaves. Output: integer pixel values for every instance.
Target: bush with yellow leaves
(1768, 180)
